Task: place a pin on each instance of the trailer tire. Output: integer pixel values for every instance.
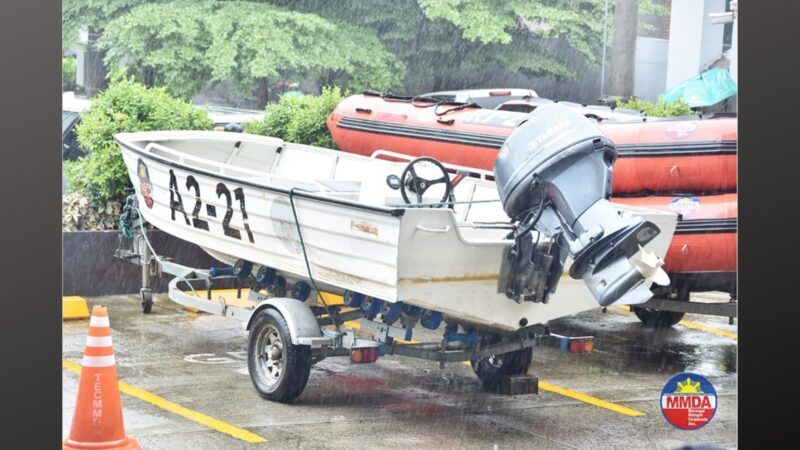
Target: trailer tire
(279, 369)
(492, 369)
(653, 318)
(147, 301)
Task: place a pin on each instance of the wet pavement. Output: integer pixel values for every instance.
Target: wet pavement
(198, 361)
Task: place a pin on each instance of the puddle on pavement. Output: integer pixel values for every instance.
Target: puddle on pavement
(623, 344)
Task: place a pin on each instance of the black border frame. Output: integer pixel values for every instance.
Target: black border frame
(30, 325)
(768, 216)
(30, 239)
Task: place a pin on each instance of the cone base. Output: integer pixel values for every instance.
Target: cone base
(128, 443)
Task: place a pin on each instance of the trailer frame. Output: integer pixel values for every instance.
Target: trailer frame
(306, 322)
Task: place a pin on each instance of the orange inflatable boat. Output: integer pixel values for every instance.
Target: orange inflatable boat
(670, 156)
(702, 254)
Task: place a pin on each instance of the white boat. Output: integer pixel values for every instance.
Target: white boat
(236, 196)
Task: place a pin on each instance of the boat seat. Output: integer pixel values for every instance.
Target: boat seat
(341, 185)
(289, 184)
(305, 164)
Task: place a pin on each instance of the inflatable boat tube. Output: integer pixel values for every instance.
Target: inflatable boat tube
(702, 254)
(656, 156)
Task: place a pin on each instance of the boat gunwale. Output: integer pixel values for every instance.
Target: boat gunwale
(396, 212)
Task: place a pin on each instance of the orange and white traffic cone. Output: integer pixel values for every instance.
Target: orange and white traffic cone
(97, 423)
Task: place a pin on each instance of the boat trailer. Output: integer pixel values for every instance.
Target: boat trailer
(309, 325)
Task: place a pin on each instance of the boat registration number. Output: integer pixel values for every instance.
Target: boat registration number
(193, 187)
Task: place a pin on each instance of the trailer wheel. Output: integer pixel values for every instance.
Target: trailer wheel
(653, 318)
(147, 301)
(279, 370)
(492, 369)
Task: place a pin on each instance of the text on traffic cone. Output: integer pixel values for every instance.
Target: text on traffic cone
(97, 422)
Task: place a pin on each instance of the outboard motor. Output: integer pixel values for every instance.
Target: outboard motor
(554, 178)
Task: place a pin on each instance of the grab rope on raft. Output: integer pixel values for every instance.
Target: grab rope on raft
(428, 102)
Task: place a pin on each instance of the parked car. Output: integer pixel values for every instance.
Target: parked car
(223, 115)
(70, 150)
(596, 112)
(71, 107)
(485, 98)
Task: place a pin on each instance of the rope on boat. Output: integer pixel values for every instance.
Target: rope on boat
(334, 317)
(158, 258)
(126, 218)
(126, 226)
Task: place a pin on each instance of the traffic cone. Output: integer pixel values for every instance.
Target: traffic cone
(97, 422)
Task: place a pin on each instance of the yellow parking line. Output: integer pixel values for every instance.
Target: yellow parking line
(162, 403)
(584, 398)
(690, 324)
(550, 387)
(590, 400)
(708, 329)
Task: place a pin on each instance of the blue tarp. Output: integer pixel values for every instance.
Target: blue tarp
(706, 89)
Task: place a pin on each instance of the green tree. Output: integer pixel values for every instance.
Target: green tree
(171, 41)
(68, 71)
(352, 43)
(299, 120)
(490, 22)
(93, 16)
(441, 40)
(579, 22)
(126, 106)
(253, 44)
(430, 49)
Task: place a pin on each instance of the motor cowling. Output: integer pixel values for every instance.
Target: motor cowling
(553, 174)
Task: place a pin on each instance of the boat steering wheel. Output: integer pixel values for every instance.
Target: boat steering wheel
(410, 181)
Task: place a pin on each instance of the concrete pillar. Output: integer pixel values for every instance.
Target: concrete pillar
(651, 67)
(80, 56)
(623, 52)
(694, 42)
(80, 60)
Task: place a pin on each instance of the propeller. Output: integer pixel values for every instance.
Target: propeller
(649, 265)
